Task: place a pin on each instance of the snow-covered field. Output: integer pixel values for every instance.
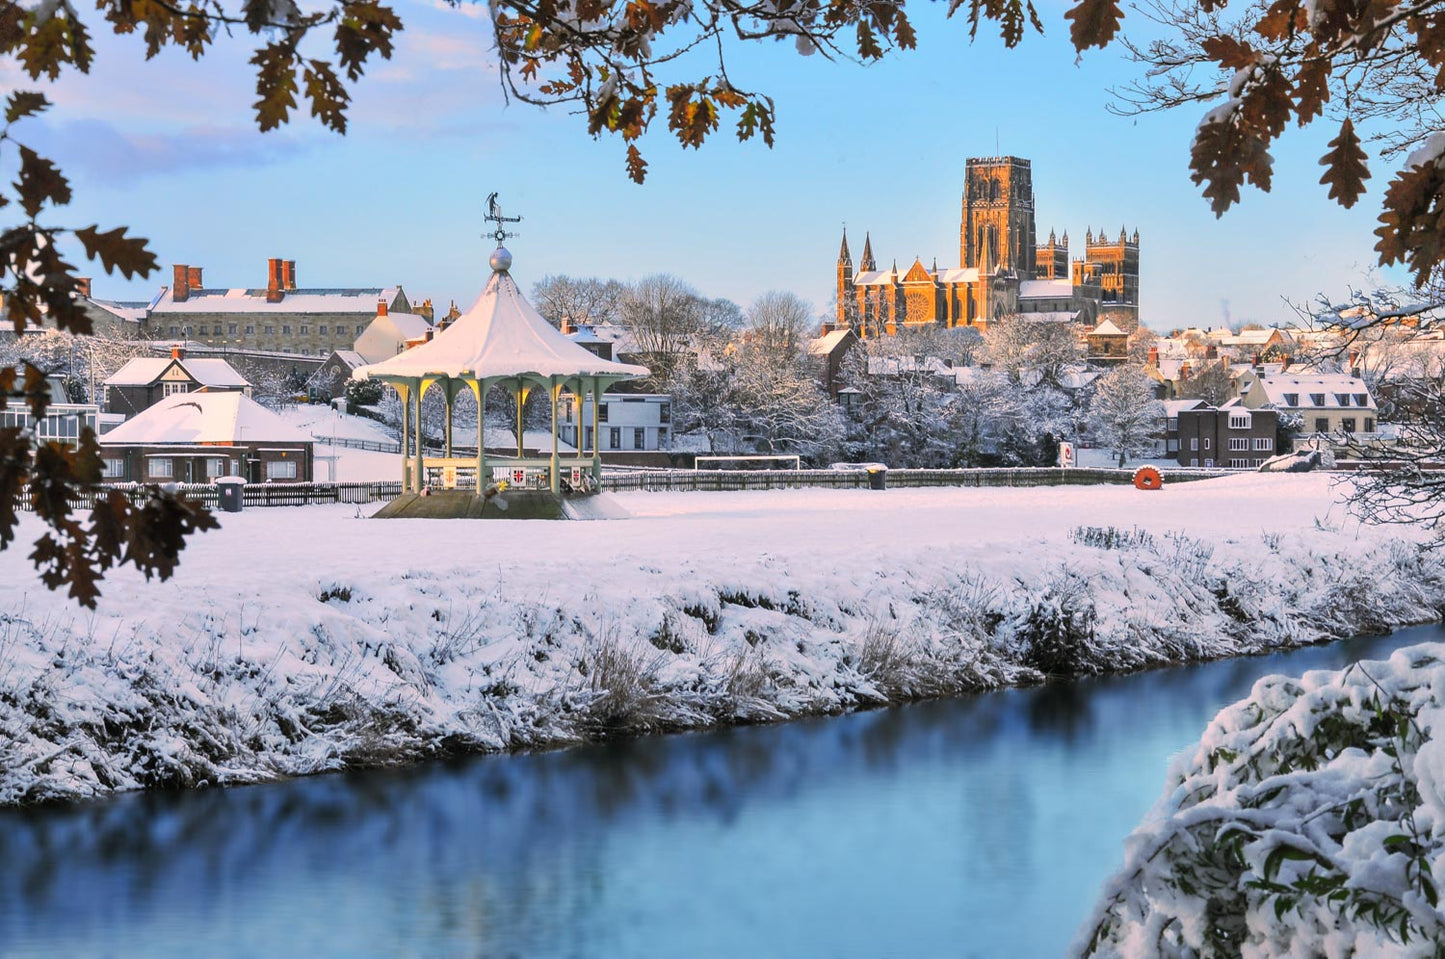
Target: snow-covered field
(304, 639)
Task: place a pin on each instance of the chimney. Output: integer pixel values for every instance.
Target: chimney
(193, 278)
(1211, 352)
(82, 285)
(566, 323)
(275, 292)
(381, 308)
(1184, 370)
(1153, 354)
(428, 336)
(181, 284)
(1356, 372)
(178, 352)
(288, 275)
(1257, 361)
(1284, 363)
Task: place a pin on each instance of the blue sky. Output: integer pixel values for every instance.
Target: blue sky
(168, 148)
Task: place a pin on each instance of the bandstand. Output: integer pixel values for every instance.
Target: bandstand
(501, 341)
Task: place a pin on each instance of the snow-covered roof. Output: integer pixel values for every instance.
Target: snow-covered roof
(1107, 328)
(827, 343)
(875, 278)
(500, 335)
(1046, 289)
(144, 370)
(1317, 391)
(411, 326)
(351, 358)
(129, 311)
(362, 300)
(1175, 407)
(958, 275)
(587, 333)
(1050, 316)
(192, 418)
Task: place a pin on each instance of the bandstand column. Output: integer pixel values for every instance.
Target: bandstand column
(480, 389)
(596, 433)
(405, 394)
(554, 390)
(419, 467)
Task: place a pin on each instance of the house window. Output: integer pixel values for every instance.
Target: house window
(216, 329)
(1238, 444)
(305, 330)
(233, 328)
(250, 330)
(162, 467)
(1342, 398)
(1172, 425)
(587, 438)
(639, 439)
(1193, 461)
(281, 469)
(1194, 442)
(270, 330)
(664, 413)
(112, 469)
(1236, 464)
(1208, 462)
(614, 437)
(1369, 424)
(216, 467)
(1317, 399)
(1347, 424)
(1291, 399)
(1239, 421)
(1263, 443)
(321, 330)
(1173, 446)
(602, 414)
(662, 438)
(1362, 399)
(1206, 442)
(1322, 424)
(168, 388)
(285, 329)
(175, 331)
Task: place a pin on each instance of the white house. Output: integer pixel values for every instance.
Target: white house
(1326, 402)
(625, 422)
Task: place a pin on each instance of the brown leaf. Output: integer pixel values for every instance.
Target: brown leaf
(1225, 154)
(116, 251)
(1095, 23)
(40, 182)
(24, 103)
(327, 95)
(1311, 90)
(636, 166)
(1345, 170)
(1230, 52)
(1410, 230)
(275, 84)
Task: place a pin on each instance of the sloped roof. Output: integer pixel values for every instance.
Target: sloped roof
(917, 273)
(1107, 328)
(192, 418)
(315, 300)
(142, 371)
(500, 335)
(827, 343)
(874, 278)
(1046, 289)
(958, 275)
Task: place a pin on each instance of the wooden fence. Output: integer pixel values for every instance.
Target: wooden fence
(255, 494)
(724, 480)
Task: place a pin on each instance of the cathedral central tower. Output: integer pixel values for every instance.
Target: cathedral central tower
(997, 232)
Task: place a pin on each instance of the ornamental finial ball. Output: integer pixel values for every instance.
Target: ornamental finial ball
(501, 260)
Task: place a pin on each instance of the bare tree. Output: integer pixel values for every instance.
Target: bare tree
(1210, 383)
(577, 300)
(1125, 412)
(1017, 345)
(779, 323)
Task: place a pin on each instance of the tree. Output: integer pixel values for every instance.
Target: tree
(579, 301)
(1211, 383)
(1126, 414)
(1020, 346)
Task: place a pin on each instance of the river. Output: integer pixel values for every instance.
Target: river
(976, 827)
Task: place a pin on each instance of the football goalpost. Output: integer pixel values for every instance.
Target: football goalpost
(748, 463)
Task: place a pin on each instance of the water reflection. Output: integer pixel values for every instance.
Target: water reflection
(980, 826)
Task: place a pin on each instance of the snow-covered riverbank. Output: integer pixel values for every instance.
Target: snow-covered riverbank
(299, 640)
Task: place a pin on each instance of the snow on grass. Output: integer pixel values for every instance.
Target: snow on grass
(305, 639)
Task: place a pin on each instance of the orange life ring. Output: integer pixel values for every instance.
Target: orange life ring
(1147, 477)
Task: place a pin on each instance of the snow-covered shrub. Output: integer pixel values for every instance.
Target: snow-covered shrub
(1057, 628)
(1111, 537)
(1309, 821)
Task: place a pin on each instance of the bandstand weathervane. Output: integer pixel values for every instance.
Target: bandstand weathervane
(494, 214)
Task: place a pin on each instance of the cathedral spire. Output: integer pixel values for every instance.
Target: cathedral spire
(868, 263)
(843, 255)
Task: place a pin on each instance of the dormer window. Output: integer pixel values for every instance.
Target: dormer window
(1362, 399)
(1239, 421)
(1317, 399)
(1291, 399)
(1342, 398)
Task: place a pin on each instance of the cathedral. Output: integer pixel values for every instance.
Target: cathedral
(1002, 269)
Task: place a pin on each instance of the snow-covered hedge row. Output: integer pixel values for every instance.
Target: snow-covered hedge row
(1309, 822)
(194, 683)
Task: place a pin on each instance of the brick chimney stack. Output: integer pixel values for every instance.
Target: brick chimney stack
(178, 352)
(82, 285)
(1184, 370)
(275, 291)
(193, 278)
(181, 283)
(288, 275)
(1153, 350)
(381, 308)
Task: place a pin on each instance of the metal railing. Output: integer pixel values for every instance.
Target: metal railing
(729, 480)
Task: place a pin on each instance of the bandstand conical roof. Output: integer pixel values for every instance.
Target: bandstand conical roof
(500, 335)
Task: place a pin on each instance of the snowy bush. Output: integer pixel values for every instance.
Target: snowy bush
(1309, 821)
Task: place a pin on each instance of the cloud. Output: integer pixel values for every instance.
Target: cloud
(102, 152)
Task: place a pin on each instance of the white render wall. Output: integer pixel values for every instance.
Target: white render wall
(626, 414)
